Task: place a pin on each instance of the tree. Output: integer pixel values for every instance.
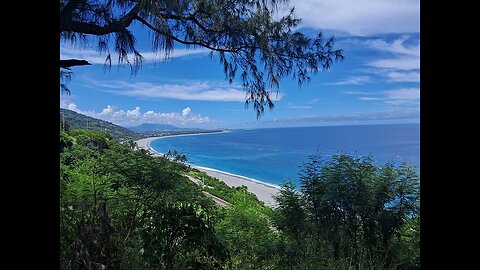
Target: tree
(244, 34)
(121, 208)
(247, 232)
(356, 215)
(182, 237)
(291, 221)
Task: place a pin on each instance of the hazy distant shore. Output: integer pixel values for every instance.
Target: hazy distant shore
(262, 190)
(145, 142)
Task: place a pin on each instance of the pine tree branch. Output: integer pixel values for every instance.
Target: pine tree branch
(67, 64)
(69, 25)
(186, 42)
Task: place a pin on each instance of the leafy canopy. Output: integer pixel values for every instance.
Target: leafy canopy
(249, 37)
(351, 214)
(122, 208)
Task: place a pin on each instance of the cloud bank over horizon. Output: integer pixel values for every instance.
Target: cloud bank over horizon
(135, 117)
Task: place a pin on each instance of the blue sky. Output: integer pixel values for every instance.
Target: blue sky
(378, 82)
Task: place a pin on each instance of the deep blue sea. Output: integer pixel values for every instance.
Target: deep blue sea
(274, 154)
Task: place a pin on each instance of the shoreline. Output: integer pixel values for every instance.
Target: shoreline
(236, 175)
(264, 191)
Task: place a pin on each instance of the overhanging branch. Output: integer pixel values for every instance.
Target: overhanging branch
(70, 25)
(186, 42)
(67, 64)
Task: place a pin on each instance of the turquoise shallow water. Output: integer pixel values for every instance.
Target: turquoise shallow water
(272, 155)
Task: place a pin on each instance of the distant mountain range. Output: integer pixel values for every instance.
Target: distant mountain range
(147, 127)
(151, 129)
(80, 121)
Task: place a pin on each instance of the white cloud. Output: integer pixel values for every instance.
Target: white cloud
(406, 63)
(136, 117)
(186, 111)
(314, 101)
(399, 60)
(109, 110)
(398, 46)
(405, 93)
(72, 107)
(361, 18)
(294, 106)
(94, 57)
(354, 80)
(65, 100)
(356, 93)
(403, 56)
(370, 98)
(402, 96)
(396, 76)
(183, 90)
(134, 113)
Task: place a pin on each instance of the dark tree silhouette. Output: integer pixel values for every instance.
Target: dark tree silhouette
(67, 64)
(248, 36)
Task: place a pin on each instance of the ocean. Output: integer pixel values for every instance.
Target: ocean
(275, 154)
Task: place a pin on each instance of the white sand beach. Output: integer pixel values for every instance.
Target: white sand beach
(263, 191)
(145, 144)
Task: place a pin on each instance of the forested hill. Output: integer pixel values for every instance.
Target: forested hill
(80, 121)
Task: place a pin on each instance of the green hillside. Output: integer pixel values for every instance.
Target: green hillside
(80, 121)
(122, 208)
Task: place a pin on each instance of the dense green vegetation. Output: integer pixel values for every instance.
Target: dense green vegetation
(122, 208)
(350, 214)
(128, 210)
